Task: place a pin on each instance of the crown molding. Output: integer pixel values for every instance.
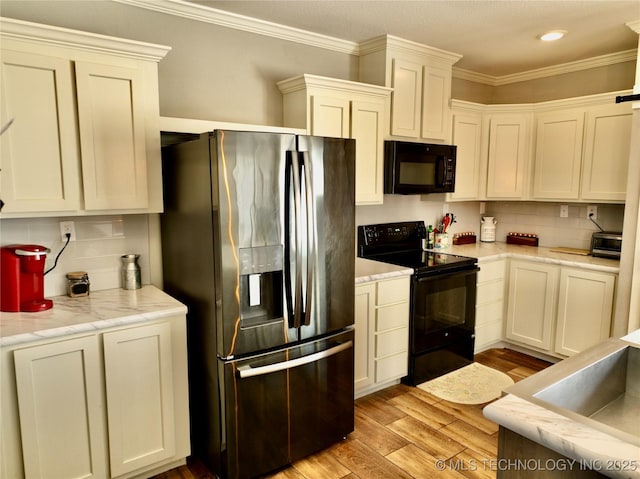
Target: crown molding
(36, 33)
(222, 18)
(214, 16)
(635, 26)
(579, 65)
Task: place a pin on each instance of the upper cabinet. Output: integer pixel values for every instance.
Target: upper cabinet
(576, 149)
(582, 153)
(344, 109)
(508, 157)
(421, 80)
(85, 136)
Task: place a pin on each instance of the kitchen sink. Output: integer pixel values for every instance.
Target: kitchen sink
(599, 387)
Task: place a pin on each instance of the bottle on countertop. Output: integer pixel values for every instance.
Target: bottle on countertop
(431, 237)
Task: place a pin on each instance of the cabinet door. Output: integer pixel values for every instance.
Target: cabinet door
(330, 116)
(61, 409)
(584, 309)
(558, 155)
(508, 160)
(606, 153)
(467, 136)
(532, 302)
(40, 162)
(367, 128)
(436, 93)
(406, 80)
(139, 390)
(112, 136)
(364, 335)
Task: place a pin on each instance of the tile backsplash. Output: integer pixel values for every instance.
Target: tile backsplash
(100, 241)
(544, 220)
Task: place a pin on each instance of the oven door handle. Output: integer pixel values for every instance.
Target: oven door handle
(439, 276)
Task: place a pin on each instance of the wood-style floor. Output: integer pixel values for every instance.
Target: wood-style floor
(404, 432)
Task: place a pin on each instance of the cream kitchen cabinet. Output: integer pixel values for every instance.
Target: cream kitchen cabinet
(531, 307)
(582, 153)
(344, 109)
(382, 333)
(421, 80)
(509, 152)
(607, 141)
(467, 136)
(585, 305)
(490, 303)
(558, 156)
(558, 310)
(112, 404)
(85, 136)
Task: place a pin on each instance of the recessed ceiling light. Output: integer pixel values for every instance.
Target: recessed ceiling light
(552, 36)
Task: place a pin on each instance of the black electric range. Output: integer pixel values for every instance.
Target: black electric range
(442, 301)
(401, 244)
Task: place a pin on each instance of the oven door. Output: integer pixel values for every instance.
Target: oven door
(443, 309)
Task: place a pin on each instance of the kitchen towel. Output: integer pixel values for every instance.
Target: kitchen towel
(471, 384)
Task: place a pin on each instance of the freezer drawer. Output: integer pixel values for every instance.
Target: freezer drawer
(285, 405)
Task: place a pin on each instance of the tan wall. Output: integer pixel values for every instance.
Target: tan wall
(604, 79)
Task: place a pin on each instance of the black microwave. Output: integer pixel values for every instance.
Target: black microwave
(418, 168)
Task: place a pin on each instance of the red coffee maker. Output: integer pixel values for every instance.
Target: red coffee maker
(22, 278)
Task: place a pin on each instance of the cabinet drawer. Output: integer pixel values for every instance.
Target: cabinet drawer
(489, 292)
(392, 291)
(391, 342)
(391, 367)
(393, 316)
(491, 271)
(489, 312)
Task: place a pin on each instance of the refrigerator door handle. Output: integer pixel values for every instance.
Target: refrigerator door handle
(311, 235)
(293, 188)
(248, 371)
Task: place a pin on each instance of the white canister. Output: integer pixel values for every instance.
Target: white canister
(488, 229)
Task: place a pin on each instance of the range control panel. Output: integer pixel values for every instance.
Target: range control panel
(388, 237)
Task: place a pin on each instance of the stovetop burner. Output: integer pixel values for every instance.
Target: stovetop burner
(401, 244)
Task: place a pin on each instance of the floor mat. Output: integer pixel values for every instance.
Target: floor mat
(471, 384)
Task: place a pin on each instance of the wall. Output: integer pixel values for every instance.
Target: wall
(100, 241)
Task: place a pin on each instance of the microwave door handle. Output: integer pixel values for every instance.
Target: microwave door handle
(311, 235)
(441, 170)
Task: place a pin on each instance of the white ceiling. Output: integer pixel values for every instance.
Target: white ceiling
(495, 37)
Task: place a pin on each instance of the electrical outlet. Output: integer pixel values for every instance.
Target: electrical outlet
(564, 211)
(592, 210)
(67, 227)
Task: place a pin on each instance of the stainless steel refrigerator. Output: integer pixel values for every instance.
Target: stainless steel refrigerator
(258, 242)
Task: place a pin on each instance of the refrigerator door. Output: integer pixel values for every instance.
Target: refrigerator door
(328, 228)
(284, 221)
(283, 406)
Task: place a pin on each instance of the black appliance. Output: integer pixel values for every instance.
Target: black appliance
(443, 297)
(418, 168)
(262, 254)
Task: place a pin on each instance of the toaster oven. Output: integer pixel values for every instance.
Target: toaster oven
(606, 244)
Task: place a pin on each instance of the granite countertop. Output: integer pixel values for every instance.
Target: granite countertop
(608, 454)
(368, 270)
(99, 310)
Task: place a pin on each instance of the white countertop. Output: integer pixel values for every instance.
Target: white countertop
(99, 310)
(367, 270)
(611, 456)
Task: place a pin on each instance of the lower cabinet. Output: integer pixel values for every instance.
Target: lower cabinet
(558, 310)
(490, 304)
(382, 333)
(112, 404)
